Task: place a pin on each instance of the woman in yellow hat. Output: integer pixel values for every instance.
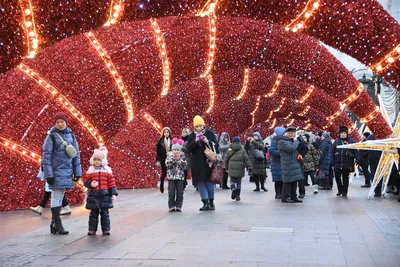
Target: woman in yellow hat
(201, 169)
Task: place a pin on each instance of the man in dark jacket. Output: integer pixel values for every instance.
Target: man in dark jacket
(318, 140)
(302, 149)
(343, 160)
(364, 163)
(292, 173)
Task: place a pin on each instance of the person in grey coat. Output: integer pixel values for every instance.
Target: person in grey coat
(60, 170)
(224, 144)
(235, 162)
(276, 168)
(292, 172)
(255, 148)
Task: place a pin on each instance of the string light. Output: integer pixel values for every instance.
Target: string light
(354, 96)
(212, 19)
(212, 94)
(164, 57)
(291, 122)
(299, 23)
(23, 151)
(336, 114)
(273, 124)
(29, 25)
(245, 84)
(305, 111)
(271, 113)
(306, 96)
(156, 125)
(115, 14)
(62, 100)
(208, 8)
(288, 116)
(275, 87)
(371, 116)
(280, 105)
(307, 127)
(114, 73)
(255, 110)
(388, 60)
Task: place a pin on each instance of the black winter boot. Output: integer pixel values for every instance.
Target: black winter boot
(105, 221)
(212, 206)
(206, 205)
(237, 194)
(57, 226)
(233, 189)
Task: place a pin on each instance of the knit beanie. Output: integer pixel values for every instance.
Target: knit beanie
(61, 116)
(291, 129)
(279, 131)
(177, 144)
(198, 121)
(326, 135)
(343, 129)
(236, 139)
(258, 135)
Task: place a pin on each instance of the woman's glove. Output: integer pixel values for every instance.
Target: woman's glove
(76, 179)
(50, 180)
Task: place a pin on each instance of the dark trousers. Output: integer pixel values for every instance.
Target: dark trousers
(302, 187)
(289, 190)
(175, 193)
(312, 175)
(278, 187)
(342, 180)
(46, 197)
(225, 179)
(185, 172)
(163, 174)
(331, 175)
(259, 179)
(366, 172)
(94, 219)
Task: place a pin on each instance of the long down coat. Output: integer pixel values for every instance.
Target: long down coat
(258, 166)
(276, 168)
(290, 164)
(201, 171)
(55, 161)
(236, 160)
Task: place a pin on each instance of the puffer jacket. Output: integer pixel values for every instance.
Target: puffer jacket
(343, 158)
(290, 164)
(236, 160)
(224, 144)
(311, 159)
(258, 165)
(276, 168)
(55, 161)
(325, 156)
(175, 167)
(100, 197)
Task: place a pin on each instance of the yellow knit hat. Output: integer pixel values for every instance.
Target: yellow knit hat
(198, 121)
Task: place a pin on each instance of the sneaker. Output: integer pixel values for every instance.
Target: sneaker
(315, 189)
(37, 210)
(301, 196)
(65, 210)
(237, 198)
(264, 189)
(172, 209)
(91, 233)
(366, 186)
(178, 210)
(378, 195)
(106, 233)
(338, 194)
(257, 190)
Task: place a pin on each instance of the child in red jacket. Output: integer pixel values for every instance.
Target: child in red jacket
(102, 191)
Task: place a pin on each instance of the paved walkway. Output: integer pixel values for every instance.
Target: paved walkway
(258, 231)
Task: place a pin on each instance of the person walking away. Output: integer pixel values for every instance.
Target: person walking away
(235, 162)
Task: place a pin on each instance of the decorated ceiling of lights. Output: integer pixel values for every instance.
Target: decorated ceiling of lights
(129, 68)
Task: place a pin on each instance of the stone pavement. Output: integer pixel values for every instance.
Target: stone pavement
(258, 231)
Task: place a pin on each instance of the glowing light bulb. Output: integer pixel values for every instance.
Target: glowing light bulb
(28, 24)
(27, 11)
(307, 15)
(31, 33)
(117, 7)
(390, 60)
(315, 5)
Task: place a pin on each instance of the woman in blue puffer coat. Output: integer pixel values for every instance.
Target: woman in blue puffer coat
(276, 168)
(60, 170)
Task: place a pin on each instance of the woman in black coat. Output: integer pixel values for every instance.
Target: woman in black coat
(201, 169)
(163, 146)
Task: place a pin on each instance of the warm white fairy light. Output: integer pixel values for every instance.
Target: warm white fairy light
(387, 61)
(255, 110)
(280, 105)
(300, 21)
(291, 122)
(273, 124)
(245, 84)
(305, 111)
(288, 116)
(354, 96)
(371, 116)
(208, 8)
(62, 100)
(275, 87)
(212, 94)
(271, 113)
(32, 38)
(306, 96)
(164, 56)
(154, 123)
(115, 12)
(22, 151)
(212, 19)
(114, 73)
